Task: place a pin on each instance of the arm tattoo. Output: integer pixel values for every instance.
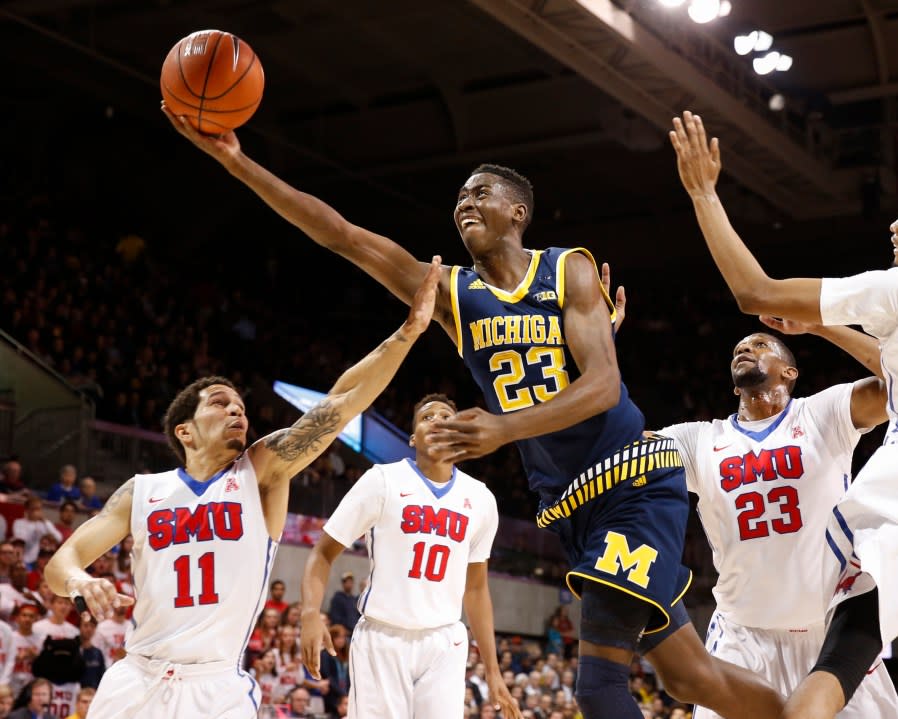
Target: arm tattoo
(126, 490)
(307, 434)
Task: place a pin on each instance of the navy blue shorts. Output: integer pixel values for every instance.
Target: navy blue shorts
(679, 617)
(630, 537)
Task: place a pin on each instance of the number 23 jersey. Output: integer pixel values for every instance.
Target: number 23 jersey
(766, 490)
(201, 560)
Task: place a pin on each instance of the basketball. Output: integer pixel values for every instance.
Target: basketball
(214, 79)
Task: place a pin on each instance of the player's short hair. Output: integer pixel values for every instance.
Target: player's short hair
(427, 399)
(521, 187)
(183, 407)
(86, 692)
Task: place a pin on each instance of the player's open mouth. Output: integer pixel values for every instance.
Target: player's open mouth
(468, 221)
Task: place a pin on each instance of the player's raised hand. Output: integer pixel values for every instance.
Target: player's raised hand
(421, 311)
(620, 297)
(313, 635)
(100, 596)
(697, 161)
(469, 434)
(221, 147)
(788, 327)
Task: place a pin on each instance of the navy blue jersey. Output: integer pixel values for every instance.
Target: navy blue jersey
(514, 345)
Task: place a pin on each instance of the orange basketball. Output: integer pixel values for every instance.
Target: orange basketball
(214, 79)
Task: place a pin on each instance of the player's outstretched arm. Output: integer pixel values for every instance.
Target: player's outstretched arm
(314, 635)
(869, 395)
(479, 609)
(386, 261)
(699, 166)
(280, 455)
(65, 571)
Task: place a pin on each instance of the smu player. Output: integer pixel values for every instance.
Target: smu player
(534, 326)
(205, 535)
(429, 529)
(767, 479)
(860, 559)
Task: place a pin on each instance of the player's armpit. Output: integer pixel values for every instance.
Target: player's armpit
(868, 403)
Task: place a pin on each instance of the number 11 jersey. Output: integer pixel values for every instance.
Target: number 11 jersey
(201, 562)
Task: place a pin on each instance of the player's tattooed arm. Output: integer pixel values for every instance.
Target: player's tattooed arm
(118, 498)
(312, 432)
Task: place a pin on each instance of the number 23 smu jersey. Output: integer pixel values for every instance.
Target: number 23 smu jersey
(201, 560)
(766, 491)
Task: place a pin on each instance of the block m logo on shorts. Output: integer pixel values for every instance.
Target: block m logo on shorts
(618, 557)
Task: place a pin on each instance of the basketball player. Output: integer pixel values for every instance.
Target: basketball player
(863, 530)
(205, 535)
(534, 326)
(767, 479)
(429, 529)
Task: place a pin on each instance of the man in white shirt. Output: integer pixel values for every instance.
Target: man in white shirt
(32, 527)
(429, 528)
(861, 564)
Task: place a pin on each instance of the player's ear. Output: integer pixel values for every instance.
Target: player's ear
(736, 391)
(790, 373)
(411, 440)
(182, 432)
(519, 213)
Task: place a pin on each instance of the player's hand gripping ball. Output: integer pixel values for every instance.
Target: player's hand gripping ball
(214, 79)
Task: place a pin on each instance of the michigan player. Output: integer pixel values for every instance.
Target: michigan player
(429, 528)
(861, 562)
(534, 326)
(205, 535)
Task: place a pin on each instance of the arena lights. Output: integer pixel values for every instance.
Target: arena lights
(755, 41)
(702, 11)
(770, 62)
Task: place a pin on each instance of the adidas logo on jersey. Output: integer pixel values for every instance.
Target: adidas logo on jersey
(639, 481)
(477, 285)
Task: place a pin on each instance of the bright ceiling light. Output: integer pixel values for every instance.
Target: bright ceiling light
(671, 3)
(763, 42)
(777, 102)
(726, 7)
(784, 63)
(744, 44)
(702, 11)
(767, 64)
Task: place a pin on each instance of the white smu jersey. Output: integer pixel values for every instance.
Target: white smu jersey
(870, 300)
(766, 492)
(421, 537)
(201, 560)
(863, 531)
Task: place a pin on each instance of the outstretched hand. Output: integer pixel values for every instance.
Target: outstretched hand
(620, 297)
(789, 327)
(421, 311)
(697, 161)
(221, 147)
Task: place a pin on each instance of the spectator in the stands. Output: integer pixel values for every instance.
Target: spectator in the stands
(32, 527)
(66, 487)
(343, 607)
(12, 482)
(89, 499)
(66, 523)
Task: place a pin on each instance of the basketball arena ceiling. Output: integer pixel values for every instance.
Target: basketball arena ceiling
(407, 94)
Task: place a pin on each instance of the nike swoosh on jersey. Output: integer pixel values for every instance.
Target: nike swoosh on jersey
(151, 500)
(405, 494)
(720, 449)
